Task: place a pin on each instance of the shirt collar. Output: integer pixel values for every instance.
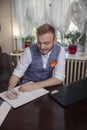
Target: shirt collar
(47, 55)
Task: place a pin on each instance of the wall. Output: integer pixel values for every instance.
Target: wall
(6, 26)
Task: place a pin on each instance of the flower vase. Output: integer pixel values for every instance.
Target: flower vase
(27, 44)
(72, 49)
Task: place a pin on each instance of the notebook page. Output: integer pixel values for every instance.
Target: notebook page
(24, 97)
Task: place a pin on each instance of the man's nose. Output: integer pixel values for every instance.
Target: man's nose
(42, 46)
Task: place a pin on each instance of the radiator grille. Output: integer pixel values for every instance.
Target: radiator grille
(75, 70)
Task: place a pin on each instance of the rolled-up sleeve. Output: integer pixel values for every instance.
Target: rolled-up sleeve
(23, 63)
(59, 70)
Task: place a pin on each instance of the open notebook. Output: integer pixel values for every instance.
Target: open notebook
(24, 97)
(71, 93)
(4, 110)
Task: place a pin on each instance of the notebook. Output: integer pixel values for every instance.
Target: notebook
(71, 93)
(4, 110)
(24, 97)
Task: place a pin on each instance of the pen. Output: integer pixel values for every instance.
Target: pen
(12, 91)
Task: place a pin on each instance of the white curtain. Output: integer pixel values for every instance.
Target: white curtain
(20, 10)
(32, 13)
(77, 13)
(58, 14)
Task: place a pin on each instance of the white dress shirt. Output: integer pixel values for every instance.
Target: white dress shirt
(26, 59)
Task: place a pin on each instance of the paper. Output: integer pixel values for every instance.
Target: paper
(24, 97)
(4, 110)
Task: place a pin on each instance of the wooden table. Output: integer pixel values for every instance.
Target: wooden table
(45, 114)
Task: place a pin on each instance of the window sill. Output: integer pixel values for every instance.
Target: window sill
(77, 56)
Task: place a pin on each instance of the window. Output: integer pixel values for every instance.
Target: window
(60, 37)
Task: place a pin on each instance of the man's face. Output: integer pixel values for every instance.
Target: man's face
(46, 42)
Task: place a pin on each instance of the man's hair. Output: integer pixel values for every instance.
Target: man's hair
(45, 28)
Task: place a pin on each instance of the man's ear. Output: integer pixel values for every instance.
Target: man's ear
(55, 40)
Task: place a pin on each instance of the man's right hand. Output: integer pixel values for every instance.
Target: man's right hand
(11, 93)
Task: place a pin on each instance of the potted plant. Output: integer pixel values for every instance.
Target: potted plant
(74, 38)
(28, 40)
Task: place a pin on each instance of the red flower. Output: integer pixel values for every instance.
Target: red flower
(53, 63)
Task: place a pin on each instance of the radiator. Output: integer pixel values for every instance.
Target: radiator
(75, 70)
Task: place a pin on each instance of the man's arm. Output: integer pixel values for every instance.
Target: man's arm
(32, 86)
(13, 81)
(18, 72)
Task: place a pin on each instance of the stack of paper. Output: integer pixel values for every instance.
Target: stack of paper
(4, 110)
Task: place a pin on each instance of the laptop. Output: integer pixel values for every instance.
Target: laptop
(4, 110)
(69, 94)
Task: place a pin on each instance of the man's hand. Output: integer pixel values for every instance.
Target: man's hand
(27, 87)
(11, 93)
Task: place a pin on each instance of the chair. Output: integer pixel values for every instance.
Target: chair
(7, 66)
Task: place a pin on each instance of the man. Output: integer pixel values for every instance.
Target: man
(43, 63)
